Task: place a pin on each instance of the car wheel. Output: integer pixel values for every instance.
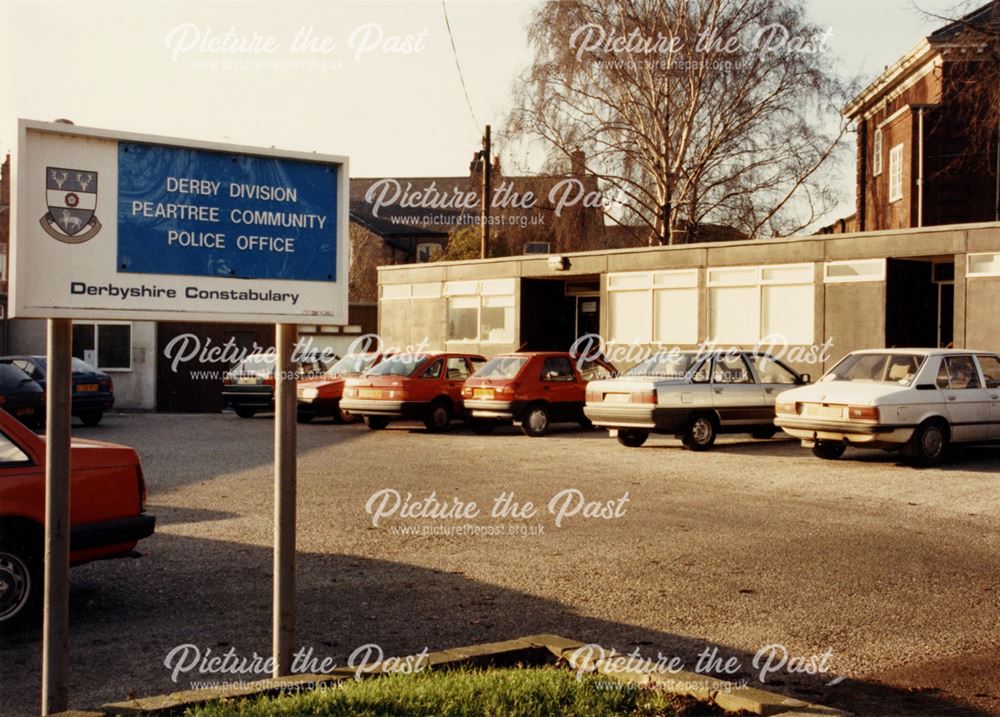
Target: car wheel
(701, 433)
(244, 412)
(632, 439)
(929, 444)
(764, 432)
(341, 415)
(305, 416)
(585, 423)
(827, 450)
(536, 420)
(91, 418)
(376, 423)
(20, 586)
(484, 428)
(438, 417)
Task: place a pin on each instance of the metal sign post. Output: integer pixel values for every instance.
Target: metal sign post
(283, 621)
(55, 627)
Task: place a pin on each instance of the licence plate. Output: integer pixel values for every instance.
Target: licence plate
(483, 393)
(369, 393)
(618, 398)
(247, 380)
(820, 411)
(86, 387)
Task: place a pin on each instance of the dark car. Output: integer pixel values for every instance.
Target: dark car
(248, 388)
(93, 390)
(21, 396)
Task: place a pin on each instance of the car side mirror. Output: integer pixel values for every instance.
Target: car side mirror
(805, 378)
(926, 387)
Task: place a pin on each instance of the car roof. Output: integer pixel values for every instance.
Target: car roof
(925, 351)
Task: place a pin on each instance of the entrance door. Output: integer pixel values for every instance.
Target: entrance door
(911, 306)
(588, 315)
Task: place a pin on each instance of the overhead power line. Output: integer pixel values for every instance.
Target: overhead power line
(458, 66)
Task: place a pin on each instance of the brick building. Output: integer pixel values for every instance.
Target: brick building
(918, 163)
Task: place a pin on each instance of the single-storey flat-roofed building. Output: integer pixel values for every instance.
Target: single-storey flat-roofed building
(936, 286)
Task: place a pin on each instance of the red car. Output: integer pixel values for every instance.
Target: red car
(532, 389)
(108, 503)
(321, 396)
(419, 386)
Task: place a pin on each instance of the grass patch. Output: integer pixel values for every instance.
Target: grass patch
(461, 693)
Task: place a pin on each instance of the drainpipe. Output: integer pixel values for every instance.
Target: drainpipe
(920, 169)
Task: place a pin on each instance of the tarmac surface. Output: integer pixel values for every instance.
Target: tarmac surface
(883, 578)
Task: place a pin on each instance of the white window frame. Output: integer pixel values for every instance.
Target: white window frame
(896, 174)
(650, 282)
(976, 274)
(97, 343)
(756, 277)
(877, 149)
(482, 292)
(878, 275)
(431, 254)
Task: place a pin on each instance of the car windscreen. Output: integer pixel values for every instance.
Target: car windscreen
(352, 363)
(258, 364)
(668, 365)
(11, 377)
(502, 367)
(399, 365)
(895, 368)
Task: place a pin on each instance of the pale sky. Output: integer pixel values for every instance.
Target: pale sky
(136, 65)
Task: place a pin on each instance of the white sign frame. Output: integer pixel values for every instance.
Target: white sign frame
(325, 303)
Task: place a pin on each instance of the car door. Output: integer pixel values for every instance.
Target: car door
(990, 366)
(774, 378)
(736, 395)
(560, 386)
(456, 372)
(966, 401)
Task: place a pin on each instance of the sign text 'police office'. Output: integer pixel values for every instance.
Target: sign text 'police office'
(198, 213)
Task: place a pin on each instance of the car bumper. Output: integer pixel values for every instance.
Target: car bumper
(485, 408)
(812, 430)
(86, 403)
(651, 418)
(124, 531)
(392, 409)
(318, 405)
(233, 397)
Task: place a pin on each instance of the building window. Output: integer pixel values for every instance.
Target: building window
(877, 153)
(896, 173)
(654, 307)
(750, 304)
(839, 272)
(537, 247)
(481, 311)
(427, 251)
(984, 265)
(106, 346)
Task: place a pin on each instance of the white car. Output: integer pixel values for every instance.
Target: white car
(693, 395)
(918, 401)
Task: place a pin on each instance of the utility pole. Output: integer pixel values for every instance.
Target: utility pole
(484, 225)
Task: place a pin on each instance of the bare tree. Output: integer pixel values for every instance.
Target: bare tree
(689, 111)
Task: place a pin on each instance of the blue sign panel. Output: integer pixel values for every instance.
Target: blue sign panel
(198, 213)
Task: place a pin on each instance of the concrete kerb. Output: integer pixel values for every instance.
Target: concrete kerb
(531, 650)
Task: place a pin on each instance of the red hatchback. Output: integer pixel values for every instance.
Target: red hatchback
(416, 386)
(321, 396)
(107, 511)
(532, 389)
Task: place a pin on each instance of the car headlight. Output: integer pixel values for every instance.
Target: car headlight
(789, 407)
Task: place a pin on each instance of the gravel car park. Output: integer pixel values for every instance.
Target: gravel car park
(752, 544)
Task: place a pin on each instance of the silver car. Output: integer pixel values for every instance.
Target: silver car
(692, 395)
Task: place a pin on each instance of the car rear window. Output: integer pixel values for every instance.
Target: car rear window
(398, 365)
(502, 367)
(352, 363)
(669, 365)
(894, 368)
(11, 376)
